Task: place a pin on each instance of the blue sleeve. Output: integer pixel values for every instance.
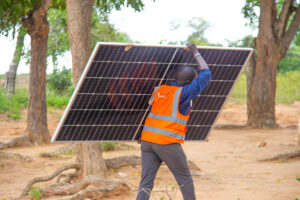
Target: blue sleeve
(193, 89)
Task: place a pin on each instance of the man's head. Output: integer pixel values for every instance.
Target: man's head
(185, 74)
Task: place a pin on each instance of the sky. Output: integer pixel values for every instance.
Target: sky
(153, 25)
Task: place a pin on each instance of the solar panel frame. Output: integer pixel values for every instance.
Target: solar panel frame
(129, 45)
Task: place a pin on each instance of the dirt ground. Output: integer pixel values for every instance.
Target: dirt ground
(229, 164)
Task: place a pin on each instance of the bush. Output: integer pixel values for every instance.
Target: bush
(60, 81)
(291, 61)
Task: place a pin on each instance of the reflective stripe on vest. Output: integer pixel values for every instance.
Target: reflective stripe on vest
(164, 132)
(151, 100)
(167, 118)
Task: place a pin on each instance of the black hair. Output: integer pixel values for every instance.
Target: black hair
(185, 74)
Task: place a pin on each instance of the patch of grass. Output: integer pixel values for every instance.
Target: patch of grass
(239, 92)
(108, 146)
(58, 101)
(15, 103)
(287, 90)
(35, 193)
(288, 87)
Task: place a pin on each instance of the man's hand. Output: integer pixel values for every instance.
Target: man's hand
(191, 48)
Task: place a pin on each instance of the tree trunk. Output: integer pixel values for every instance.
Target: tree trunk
(262, 90)
(91, 161)
(38, 29)
(261, 101)
(249, 69)
(10, 76)
(79, 25)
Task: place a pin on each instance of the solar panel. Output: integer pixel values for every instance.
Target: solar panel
(110, 101)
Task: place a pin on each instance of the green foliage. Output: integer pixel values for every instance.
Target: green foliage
(292, 59)
(35, 193)
(197, 27)
(11, 11)
(250, 10)
(101, 30)
(107, 5)
(247, 41)
(58, 40)
(108, 146)
(60, 81)
(106, 32)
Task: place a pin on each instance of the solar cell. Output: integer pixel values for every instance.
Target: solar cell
(110, 101)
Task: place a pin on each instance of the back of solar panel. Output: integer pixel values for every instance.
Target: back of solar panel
(110, 101)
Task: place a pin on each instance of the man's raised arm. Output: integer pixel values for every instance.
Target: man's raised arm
(194, 51)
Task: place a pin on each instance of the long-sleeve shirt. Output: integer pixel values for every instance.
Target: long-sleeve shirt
(192, 90)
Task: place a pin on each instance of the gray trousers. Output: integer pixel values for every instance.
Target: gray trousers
(174, 157)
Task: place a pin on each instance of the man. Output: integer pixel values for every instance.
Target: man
(165, 127)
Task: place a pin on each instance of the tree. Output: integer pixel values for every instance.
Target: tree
(278, 25)
(33, 16)
(79, 24)
(197, 27)
(10, 76)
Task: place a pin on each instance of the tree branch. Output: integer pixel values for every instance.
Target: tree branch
(284, 15)
(47, 178)
(289, 35)
(45, 5)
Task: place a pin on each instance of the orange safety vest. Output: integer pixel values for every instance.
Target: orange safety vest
(165, 124)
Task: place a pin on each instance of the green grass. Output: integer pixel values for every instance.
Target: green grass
(287, 91)
(239, 92)
(58, 101)
(20, 100)
(15, 104)
(288, 87)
